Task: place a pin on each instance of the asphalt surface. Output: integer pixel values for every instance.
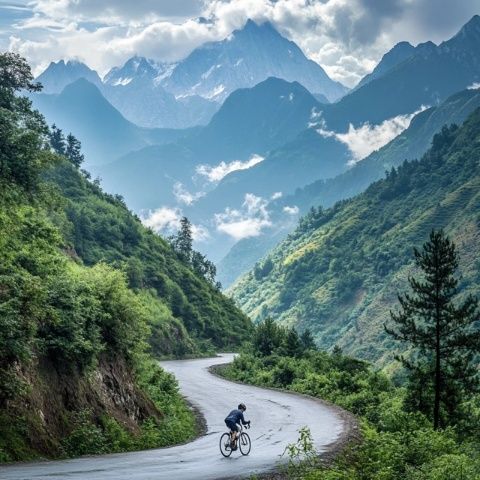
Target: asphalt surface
(276, 417)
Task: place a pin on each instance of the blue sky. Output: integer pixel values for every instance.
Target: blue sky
(347, 37)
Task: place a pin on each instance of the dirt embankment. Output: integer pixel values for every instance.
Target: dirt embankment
(53, 397)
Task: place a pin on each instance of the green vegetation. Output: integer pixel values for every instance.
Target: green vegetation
(339, 272)
(84, 289)
(399, 442)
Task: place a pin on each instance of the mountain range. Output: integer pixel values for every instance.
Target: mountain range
(424, 76)
(272, 139)
(187, 93)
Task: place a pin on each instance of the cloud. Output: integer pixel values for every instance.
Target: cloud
(346, 38)
(119, 11)
(215, 174)
(367, 138)
(246, 222)
(291, 210)
(184, 196)
(166, 221)
(276, 196)
(163, 219)
(474, 86)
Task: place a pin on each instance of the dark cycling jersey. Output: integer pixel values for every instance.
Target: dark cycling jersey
(236, 416)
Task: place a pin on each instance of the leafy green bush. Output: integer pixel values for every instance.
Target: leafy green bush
(86, 438)
(397, 443)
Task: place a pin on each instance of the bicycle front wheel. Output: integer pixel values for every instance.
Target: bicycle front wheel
(225, 447)
(245, 443)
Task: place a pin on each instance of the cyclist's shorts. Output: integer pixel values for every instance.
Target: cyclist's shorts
(232, 425)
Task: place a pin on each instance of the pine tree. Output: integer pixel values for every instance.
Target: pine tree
(444, 336)
(73, 151)
(307, 340)
(184, 240)
(267, 337)
(292, 344)
(57, 140)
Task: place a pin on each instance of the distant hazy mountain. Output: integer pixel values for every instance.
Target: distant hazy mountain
(411, 144)
(156, 94)
(105, 134)
(256, 120)
(135, 68)
(134, 90)
(427, 77)
(393, 57)
(60, 74)
(251, 121)
(247, 57)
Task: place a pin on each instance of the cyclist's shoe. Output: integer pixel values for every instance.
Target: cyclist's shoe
(234, 447)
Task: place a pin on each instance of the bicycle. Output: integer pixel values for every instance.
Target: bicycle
(243, 441)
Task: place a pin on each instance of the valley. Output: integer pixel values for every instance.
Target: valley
(300, 186)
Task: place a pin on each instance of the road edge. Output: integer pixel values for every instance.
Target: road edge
(350, 436)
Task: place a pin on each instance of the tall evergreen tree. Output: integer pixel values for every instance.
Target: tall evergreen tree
(292, 345)
(184, 240)
(445, 337)
(57, 140)
(307, 340)
(73, 151)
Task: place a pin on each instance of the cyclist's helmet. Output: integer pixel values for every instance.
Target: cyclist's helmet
(242, 407)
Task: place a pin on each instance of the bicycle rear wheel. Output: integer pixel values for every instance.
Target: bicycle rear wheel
(225, 447)
(245, 443)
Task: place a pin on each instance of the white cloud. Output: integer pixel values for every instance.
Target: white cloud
(200, 233)
(346, 37)
(291, 210)
(246, 222)
(474, 86)
(362, 141)
(163, 219)
(184, 196)
(166, 221)
(276, 196)
(215, 174)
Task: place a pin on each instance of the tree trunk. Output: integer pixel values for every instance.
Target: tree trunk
(436, 408)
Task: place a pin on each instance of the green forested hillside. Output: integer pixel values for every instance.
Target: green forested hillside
(98, 227)
(83, 288)
(339, 272)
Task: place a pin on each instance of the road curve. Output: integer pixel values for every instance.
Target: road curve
(276, 417)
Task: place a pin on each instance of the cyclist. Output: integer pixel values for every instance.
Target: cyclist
(232, 421)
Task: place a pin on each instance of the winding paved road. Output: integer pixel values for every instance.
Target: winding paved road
(276, 418)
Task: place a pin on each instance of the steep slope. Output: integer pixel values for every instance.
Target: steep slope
(426, 78)
(100, 228)
(338, 273)
(256, 120)
(400, 52)
(245, 58)
(83, 288)
(410, 144)
(105, 134)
